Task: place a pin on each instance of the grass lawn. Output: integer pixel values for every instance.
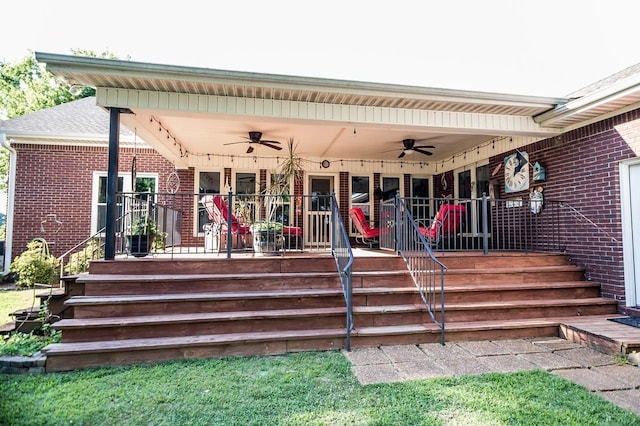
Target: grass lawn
(12, 300)
(297, 389)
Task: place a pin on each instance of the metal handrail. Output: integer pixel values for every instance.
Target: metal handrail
(96, 253)
(343, 255)
(425, 270)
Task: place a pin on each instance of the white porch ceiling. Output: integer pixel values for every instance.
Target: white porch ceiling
(205, 109)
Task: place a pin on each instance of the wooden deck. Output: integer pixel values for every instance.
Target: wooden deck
(601, 334)
(154, 309)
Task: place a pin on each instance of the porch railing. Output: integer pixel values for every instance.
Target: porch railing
(426, 271)
(343, 254)
(515, 224)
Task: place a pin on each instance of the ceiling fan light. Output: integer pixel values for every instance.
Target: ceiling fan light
(409, 151)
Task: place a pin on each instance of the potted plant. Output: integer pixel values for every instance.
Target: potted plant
(267, 237)
(142, 234)
(276, 196)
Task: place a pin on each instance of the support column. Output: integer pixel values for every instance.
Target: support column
(112, 184)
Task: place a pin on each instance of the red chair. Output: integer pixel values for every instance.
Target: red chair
(367, 234)
(218, 211)
(445, 224)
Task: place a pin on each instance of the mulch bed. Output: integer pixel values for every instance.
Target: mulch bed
(632, 321)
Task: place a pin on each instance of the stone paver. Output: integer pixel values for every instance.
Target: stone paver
(554, 343)
(550, 361)
(586, 357)
(625, 373)
(627, 399)
(483, 348)
(519, 346)
(462, 365)
(404, 353)
(597, 372)
(508, 363)
(592, 380)
(420, 370)
(437, 351)
(378, 373)
(366, 356)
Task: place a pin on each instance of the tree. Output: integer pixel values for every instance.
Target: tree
(27, 86)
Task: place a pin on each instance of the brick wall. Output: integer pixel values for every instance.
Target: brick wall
(58, 180)
(582, 170)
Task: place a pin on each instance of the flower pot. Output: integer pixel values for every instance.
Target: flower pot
(267, 237)
(139, 245)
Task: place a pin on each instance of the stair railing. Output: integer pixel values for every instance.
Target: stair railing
(343, 255)
(426, 271)
(76, 260)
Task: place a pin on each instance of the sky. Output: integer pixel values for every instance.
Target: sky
(540, 48)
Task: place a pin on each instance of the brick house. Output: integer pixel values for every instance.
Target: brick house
(351, 135)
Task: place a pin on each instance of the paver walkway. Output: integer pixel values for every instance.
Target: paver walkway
(598, 372)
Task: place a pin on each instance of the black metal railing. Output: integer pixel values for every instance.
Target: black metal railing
(486, 224)
(343, 255)
(425, 270)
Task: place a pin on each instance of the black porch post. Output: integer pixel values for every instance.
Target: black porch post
(112, 184)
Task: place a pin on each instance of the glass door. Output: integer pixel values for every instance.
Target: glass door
(319, 210)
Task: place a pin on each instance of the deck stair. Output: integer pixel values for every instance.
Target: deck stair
(148, 310)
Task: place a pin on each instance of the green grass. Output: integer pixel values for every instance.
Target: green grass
(297, 389)
(12, 300)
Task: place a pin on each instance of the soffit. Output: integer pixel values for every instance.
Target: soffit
(96, 72)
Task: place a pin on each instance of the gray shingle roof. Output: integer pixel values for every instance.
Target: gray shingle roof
(75, 118)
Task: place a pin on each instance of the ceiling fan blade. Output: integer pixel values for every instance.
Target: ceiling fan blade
(274, 142)
(249, 150)
(421, 151)
(401, 154)
(270, 145)
(233, 143)
(424, 146)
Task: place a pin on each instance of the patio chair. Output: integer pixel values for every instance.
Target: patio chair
(366, 234)
(218, 211)
(445, 224)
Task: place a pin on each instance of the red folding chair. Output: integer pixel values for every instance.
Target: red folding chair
(366, 234)
(445, 224)
(218, 211)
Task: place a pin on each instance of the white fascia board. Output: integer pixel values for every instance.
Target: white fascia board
(190, 104)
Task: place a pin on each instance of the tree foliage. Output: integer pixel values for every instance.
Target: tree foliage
(26, 86)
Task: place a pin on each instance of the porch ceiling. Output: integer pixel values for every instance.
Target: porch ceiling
(350, 119)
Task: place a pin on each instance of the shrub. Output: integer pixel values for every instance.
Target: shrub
(79, 261)
(35, 265)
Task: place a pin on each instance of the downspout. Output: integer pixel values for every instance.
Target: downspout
(10, 201)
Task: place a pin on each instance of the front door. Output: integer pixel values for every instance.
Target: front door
(629, 182)
(319, 208)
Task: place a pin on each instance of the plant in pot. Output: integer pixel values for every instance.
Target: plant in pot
(276, 198)
(142, 234)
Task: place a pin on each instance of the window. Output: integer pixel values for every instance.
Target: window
(420, 202)
(208, 183)
(145, 183)
(361, 196)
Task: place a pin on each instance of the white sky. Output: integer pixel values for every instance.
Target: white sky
(546, 48)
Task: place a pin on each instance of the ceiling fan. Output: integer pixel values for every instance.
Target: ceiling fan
(409, 147)
(256, 138)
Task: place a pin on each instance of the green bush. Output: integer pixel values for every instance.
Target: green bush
(35, 265)
(79, 261)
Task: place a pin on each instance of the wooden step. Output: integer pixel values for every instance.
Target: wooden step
(70, 356)
(194, 324)
(173, 303)
(514, 275)
(473, 260)
(112, 284)
(521, 309)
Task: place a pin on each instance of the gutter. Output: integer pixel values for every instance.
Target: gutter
(10, 203)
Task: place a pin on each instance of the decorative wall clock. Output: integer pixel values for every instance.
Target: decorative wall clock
(516, 172)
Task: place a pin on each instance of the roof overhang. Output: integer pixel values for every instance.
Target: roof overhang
(201, 111)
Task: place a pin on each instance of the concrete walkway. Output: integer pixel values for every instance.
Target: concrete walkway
(594, 370)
